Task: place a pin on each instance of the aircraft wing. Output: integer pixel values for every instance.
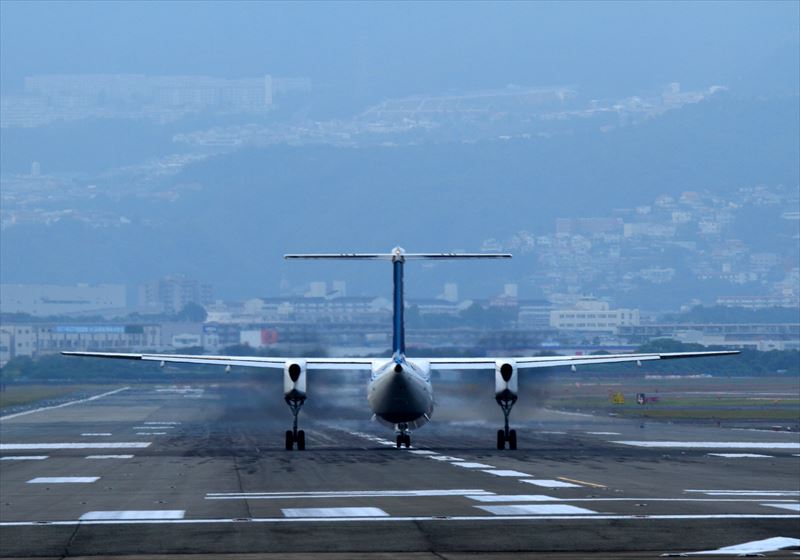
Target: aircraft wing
(247, 361)
(528, 362)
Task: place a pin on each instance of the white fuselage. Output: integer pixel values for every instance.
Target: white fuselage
(401, 393)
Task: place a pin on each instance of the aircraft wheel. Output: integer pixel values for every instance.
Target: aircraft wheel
(289, 440)
(512, 439)
(501, 439)
(301, 440)
(399, 441)
(407, 441)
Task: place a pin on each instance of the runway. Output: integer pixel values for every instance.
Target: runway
(202, 470)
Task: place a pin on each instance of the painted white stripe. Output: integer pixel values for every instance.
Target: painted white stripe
(62, 405)
(714, 444)
(559, 433)
(444, 458)
(422, 452)
(64, 480)
(600, 517)
(133, 514)
(529, 509)
(753, 547)
(109, 456)
(345, 494)
(547, 483)
(151, 433)
(467, 465)
(739, 455)
(514, 498)
(105, 445)
(153, 428)
(604, 433)
(162, 423)
(500, 472)
(24, 458)
(746, 492)
(790, 507)
(85, 434)
(335, 512)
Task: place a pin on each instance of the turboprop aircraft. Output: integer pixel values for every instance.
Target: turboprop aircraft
(399, 392)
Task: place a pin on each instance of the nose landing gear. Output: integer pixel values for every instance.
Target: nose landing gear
(403, 437)
(295, 436)
(506, 435)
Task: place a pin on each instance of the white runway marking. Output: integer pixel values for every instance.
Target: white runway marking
(604, 433)
(422, 452)
(529, 509)
(790, 507)
(500, 472)
(24, 458)
(335, 512)
(157, 427)
(62, 405)
(714, 444)
(753, 547)
(86, 434)
(467, 465)
(547, 483)
(105, 445)
(514, 498)
(109, 456)
(151, 433)
(162, 423)
(343, 494)
(597, 517)
(746, 492)
(739, 455)
(133, 514)
(444, 458)
(64, 480)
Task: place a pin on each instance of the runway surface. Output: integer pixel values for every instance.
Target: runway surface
(202, 470)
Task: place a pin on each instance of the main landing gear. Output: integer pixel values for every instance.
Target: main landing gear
(295, 436)
(403, 437)
(505, 435)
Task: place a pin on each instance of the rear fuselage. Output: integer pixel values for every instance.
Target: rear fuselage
(400, 392)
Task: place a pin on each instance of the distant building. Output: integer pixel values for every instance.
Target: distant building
(43, 300)
(592, 315)
(171, 293)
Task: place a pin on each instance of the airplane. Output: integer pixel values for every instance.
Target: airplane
(400, 393)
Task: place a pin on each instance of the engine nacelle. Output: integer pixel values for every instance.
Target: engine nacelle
(505, 381)
(294, 380)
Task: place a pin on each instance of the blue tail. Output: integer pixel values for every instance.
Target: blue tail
(398, 325)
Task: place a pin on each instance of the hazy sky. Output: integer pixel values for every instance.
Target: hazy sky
(397, 48)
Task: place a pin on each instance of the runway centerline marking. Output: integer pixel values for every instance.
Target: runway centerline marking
(604, 433)
(533, 509)
(548, 483)
(335, 512)
(64, 480)
(82, 445)
(86, 434)
(468, 465)
(713, 444)
(151, 433)
(740, 455)
(502, 472)
(109, 457)
(133, 514)
(24, 458)
(62, 405)
(790, 507)
(447, 458)
(592, 484)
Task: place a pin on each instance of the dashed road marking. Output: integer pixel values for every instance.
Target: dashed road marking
(548, 483)
(24, 458)
(133, 514)
(604, 433)
(468, 465)
(335, 512)
(501, 472)
(739, 455)
(536, 509)
(343, 494)
(109, 456)
(513, 498)
(444, 458)
(87, 434)
(64, 480)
